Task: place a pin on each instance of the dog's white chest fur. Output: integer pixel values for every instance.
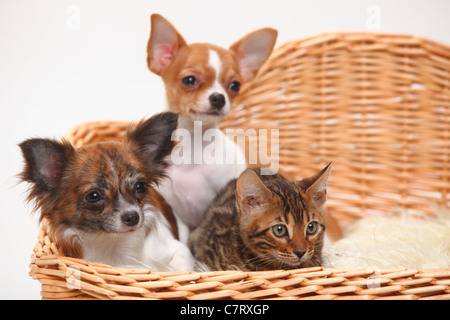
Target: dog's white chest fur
(191, 187)
(151, 246)
(121, 250)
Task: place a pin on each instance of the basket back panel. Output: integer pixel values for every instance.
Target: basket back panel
(377, 106)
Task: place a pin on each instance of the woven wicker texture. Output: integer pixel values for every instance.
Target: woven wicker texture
(376, 105)
(69, 278)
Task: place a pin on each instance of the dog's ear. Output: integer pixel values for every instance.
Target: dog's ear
(163, 45)
(253, 50)
(45, 162)
(153, 141)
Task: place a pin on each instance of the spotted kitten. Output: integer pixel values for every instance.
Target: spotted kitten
(264, 223)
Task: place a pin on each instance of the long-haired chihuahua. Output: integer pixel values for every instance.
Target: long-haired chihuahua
(100, 200)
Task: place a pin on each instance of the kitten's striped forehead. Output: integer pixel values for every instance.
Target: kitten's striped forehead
(291, 197)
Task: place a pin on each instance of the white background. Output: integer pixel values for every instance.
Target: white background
(65, 62)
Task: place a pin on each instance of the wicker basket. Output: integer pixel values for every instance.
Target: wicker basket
(376, 105)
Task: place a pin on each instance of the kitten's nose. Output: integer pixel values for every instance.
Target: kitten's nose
(217, 101)
(299, 252)
(130, 218)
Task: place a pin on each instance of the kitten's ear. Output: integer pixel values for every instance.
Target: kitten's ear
(45, 161)
(253, 50)
(316, 186)
(163, 45)
(153, 140)
(251, 192)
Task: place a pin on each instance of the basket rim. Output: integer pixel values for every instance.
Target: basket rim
(70, 278)
(307, 40)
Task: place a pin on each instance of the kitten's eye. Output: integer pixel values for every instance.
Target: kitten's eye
(141, 187)
(279, 230)
(235, 86)
(189, 81)
(93, 196)
(312, 228)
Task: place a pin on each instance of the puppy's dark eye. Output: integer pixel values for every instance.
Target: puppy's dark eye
(235, 86)
(93, 196)
(141, 187)
(190, 81)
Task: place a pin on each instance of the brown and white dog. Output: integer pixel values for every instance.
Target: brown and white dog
(201, 81)
(100, 199)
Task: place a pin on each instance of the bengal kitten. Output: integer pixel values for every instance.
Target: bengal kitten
(263, 223)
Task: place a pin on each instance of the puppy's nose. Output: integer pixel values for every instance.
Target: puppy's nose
(130, 218)
(299, 253)
(217, 101)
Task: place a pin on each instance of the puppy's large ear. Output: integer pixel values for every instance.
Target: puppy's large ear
(163, 45)
(253, 50)
(45, 162)
(153, 141)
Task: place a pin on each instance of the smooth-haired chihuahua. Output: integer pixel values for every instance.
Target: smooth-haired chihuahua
(100, 199)
(201, 80)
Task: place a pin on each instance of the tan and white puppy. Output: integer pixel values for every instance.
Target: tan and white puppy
(201, 80)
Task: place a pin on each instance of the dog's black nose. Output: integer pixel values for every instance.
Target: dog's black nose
(217, 101)
(299, 253)
(130, 218)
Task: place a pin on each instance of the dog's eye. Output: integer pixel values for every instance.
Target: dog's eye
(190, 81)
(235, 86)
(93, 196)
(141, 187)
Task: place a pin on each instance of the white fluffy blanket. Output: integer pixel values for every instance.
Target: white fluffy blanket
(392, 242)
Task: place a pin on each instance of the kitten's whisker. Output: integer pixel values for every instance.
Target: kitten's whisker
(262, 260)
